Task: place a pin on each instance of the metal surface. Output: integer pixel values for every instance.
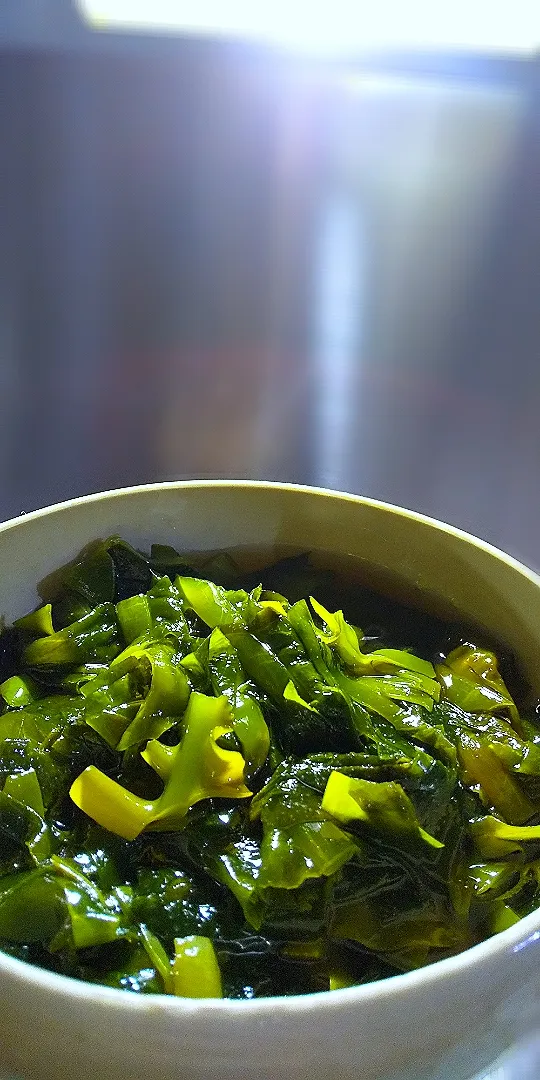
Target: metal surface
(226, 263)
(523, 1063)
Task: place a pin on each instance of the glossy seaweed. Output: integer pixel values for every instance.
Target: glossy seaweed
(215, 785)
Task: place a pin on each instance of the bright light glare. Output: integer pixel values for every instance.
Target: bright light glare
(341, 26)
(339, 273)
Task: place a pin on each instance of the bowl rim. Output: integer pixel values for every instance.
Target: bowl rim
(520, 936)
(275, 485)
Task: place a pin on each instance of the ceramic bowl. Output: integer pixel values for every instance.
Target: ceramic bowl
(444, 1022)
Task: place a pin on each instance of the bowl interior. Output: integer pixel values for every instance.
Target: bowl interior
(430, 564)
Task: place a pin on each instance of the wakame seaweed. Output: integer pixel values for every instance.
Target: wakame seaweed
(219, 785)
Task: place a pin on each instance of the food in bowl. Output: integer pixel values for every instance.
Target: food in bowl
(214, 785)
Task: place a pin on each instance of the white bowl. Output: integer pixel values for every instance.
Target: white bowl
(443, 1022)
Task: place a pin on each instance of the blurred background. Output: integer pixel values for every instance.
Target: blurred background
(275, 248)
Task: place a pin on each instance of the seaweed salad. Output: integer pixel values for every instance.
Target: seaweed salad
(219, 785)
